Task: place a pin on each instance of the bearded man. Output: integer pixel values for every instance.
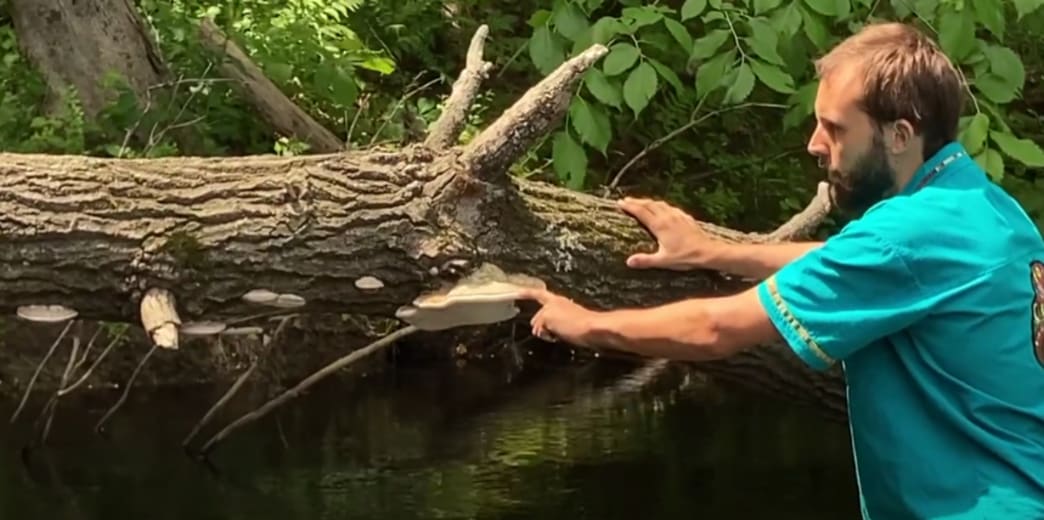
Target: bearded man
(930, 296)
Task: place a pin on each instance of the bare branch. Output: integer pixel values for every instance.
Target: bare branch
(804, 223)
(446, 130)
(272, 105)
(306, 383)
(532, 116)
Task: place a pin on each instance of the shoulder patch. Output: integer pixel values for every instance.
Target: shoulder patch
(1037, 278)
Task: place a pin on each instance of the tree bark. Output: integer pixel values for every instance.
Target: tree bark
(78, 43)
(97, 234)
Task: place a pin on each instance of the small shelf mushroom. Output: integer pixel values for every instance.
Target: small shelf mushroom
(369, 284)
(45, 313)
(486, 296)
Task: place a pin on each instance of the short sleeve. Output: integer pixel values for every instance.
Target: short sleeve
(853, 290)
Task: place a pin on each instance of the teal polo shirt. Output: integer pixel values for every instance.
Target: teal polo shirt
(932, 303)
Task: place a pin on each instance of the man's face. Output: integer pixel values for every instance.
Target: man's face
(850, 146)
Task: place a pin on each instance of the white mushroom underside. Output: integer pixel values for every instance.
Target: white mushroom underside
(45, 313)
(459, 315)
(202, 328)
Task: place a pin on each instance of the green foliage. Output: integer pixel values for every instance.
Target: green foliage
(715, 55)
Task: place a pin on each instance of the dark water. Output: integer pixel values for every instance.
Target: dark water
(453, 442)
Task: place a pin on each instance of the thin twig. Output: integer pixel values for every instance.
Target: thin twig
(126, 391)
(305, 384)
(32, 381)
(94, 365)
(682, 129)
(398, 104)
(265, 347)
(52, 404)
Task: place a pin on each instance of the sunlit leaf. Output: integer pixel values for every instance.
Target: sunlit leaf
(710, 74)
(640, 87)
(569, 159)
(773, 77)
(591, 123)
(1021, 149)
(740, 89)
(708, 44)
(692, 8)
(974, 135)
(679, 32)
(991, 14)
(993, 162)
(602, 88)
(621, 57)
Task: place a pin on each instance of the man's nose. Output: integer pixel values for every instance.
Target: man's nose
(816, 146)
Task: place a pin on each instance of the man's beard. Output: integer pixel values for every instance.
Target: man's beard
(870, 181)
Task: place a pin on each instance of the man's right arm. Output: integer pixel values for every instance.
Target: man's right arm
(757, 261)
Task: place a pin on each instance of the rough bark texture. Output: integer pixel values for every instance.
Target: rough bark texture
(78, 42)
(98, 234)
(271, 104)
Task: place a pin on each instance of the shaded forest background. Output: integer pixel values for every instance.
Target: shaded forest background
(705, 103)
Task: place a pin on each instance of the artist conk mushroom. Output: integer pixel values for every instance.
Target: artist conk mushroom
(484, 297)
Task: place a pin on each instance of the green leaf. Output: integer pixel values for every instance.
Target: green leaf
(602, 89)
(1023, 150)
(1025, 7)
(995, 88)
(991, 14)
(789, 18)
(679, 32)
(843, 8)
(641, 16)
(708, 44)
(539, 18)
(993, 162)
(710, 74)
(378, 64)
(773, 77)
(570, 20)
(742, 86)
(692, 8)
(544, 50)
(622, 56)
(764, 41)
(668, 75)
(569, 159)
(954, 31)
(974, 136)
(764, 6)
(1006, 64)
(823, 7)
(591, 123)
(605, 29)
(640, 87)
(815, 29)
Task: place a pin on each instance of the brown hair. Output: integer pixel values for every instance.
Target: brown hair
(908, 77)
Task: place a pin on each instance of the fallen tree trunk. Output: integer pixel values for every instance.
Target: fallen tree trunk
(97, 235)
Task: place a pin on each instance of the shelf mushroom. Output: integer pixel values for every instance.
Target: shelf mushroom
(486, 296)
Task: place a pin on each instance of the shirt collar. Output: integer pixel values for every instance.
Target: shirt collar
(935, 165)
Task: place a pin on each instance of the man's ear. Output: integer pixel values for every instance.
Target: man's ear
(902, 137)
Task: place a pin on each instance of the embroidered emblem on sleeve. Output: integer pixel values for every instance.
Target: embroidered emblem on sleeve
(1037, 275)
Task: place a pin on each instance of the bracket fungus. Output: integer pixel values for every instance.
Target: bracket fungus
(369, 284)
(202, 328)
(272, 299)
(45, 313)
(484, 297)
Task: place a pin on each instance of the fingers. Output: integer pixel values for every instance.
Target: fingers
(538, 323)
(643, 260)
(638, 208)
(541, 296)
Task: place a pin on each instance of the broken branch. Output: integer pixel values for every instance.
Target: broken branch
(804, 223)
(531, 117)
(272, 105)
(446, 130)
(304, 385)
(159, 318)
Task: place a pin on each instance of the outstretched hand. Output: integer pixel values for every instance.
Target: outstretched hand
(559, 318)
(681, 243)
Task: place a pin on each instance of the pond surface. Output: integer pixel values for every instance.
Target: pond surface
(446, 442)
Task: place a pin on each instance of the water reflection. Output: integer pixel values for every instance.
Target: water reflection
(444, 443)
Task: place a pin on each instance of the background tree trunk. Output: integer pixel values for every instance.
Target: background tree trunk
(78, 43)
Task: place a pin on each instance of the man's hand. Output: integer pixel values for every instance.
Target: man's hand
(682, 245)
(560, 318)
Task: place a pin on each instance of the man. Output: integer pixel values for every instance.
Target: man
(928, 296)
